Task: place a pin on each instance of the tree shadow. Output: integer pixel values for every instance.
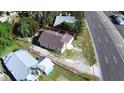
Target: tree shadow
(35, 39)
(6, 71)
(16, 31)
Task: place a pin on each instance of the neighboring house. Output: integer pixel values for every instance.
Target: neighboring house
(8, 18)
(45, 65)
(23, 66)
(60, 19)
(4, 19)
(55, 41)
(120, 20)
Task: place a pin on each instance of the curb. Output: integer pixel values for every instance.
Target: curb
(96, 54)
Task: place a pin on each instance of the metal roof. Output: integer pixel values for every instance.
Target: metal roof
(18, 63)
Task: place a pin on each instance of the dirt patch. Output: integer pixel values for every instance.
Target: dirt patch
(61, 78)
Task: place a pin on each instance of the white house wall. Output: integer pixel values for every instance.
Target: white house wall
(68, 45)
(50, 47)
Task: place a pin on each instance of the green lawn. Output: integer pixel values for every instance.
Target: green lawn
(21, 43)
(8, 49)
(58, 71)
(5, 26)
(71, 54)
(83, 41)
(18, 44)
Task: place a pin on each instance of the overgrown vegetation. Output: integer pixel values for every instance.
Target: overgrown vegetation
(79, 25)
(76, 27)
(42, 17)
(66, 26)
(26, 27)
(84, 41)
(17, 44)
(5, 36)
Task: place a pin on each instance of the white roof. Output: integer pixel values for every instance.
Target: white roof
(60, 19)
(4, 18)
(18, 63)
(46, 65)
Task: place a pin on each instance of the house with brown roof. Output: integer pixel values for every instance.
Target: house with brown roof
(55, 40)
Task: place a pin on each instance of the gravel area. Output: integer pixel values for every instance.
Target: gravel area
(79, 64)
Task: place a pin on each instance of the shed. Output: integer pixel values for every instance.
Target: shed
(45, 64)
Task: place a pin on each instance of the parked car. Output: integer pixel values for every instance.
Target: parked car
(120, 20)
(113, 18)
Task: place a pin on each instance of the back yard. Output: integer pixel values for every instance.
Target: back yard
(60, 73)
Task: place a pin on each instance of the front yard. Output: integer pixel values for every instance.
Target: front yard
(72, 54)
(84, 42)
(83, 49)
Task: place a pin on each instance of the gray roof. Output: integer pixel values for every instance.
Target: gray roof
(54, 39)
(18, 63)
(60, 19)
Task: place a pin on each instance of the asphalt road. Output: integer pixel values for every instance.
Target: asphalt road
(111, 63)
(120, 28)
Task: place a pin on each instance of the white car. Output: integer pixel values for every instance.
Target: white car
(120, 20)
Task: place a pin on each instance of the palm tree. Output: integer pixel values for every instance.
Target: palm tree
(27, 27)
(44, 17)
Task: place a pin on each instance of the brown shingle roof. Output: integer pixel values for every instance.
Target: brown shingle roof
(54, 38)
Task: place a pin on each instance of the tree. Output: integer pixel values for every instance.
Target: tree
(5, 40)
(74, 27)
(66, 26)
(48, 17)
(43, 17)
(79, 15)
(26, 27)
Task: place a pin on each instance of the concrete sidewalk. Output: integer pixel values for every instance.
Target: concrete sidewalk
(39, 49)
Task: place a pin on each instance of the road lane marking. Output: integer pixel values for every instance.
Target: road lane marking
(115, 59)
(96, 52)
(104, 20)
(112, 38)
(106, 39)
(99, 40)
(119, 45)
(115, 45)
(106, 59)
